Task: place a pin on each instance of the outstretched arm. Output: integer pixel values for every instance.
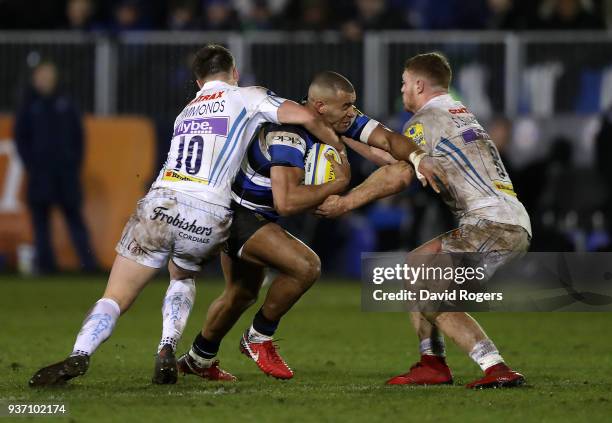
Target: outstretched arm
(402, 148)
(387, 180)
(374, 154)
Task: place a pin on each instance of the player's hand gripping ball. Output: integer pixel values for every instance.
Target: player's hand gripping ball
(317, 166)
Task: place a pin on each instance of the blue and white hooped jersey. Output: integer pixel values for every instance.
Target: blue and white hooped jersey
(280, 145)
(210, 138)
(274, 145)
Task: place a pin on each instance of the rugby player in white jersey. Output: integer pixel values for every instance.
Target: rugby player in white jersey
(492, 221)
(268, 184)
(185, 217)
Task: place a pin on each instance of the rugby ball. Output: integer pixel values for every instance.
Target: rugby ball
(317, 167)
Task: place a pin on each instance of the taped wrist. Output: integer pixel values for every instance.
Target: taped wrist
(415, 158)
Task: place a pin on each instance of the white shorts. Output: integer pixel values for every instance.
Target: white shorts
(493, 244)
(170, 224)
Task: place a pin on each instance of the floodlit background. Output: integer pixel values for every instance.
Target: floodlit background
(537, 74)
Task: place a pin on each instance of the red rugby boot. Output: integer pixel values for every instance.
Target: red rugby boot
(266, 356)
(430, 370)
(188, 366)
(498, 376)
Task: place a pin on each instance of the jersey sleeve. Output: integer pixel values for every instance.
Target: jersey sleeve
(361, 128)
(415, 131)
(424, 130)
(286, 148)
(263, 103)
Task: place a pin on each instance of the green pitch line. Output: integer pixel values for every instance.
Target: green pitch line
(340, 355)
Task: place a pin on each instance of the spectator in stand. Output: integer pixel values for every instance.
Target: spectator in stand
(311, 15)
(447, 14)
(181, 16)
(129, 16)
(49, 138)
(511, 14)
(220, 15)
(79, 15)
(570, 15)
(261, 14)
(372, 15)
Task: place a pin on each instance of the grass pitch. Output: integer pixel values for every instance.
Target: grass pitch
(340, 355)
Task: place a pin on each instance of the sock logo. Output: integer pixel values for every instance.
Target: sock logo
(104, 323)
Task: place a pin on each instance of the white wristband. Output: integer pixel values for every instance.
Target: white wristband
(415, 158)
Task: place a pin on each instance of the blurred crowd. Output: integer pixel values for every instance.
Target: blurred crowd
(352, 17)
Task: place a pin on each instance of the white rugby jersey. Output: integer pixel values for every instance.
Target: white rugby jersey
(479, 186)
(210, 138)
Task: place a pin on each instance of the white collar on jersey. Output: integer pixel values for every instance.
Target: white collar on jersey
(442, 98)
(211, 84)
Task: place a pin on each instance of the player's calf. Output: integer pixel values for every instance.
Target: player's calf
(257, 342)
(97, 327)
(470, 337)
(176, 308)
(290, 284)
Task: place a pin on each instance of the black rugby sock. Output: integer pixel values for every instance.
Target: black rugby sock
(205, 348)
(263, 325)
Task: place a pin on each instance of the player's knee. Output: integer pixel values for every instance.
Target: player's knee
(431, 316)
(309, 269)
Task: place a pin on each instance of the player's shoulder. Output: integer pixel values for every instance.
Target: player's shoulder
(426, 119)
(360, 122)
(287, 134)
(256, 91)
(429, 114)
(445, 108)
(251, 93)
(284, 127)
(255, 95)
(253, 89)
(360, 117)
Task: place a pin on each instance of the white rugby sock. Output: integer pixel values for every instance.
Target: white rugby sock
(201, 361)
(175, 311)
(485, 354)
(257, 337)
(97, 326)
(433, 346)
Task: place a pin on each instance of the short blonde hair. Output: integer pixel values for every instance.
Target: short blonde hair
(433, 66)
